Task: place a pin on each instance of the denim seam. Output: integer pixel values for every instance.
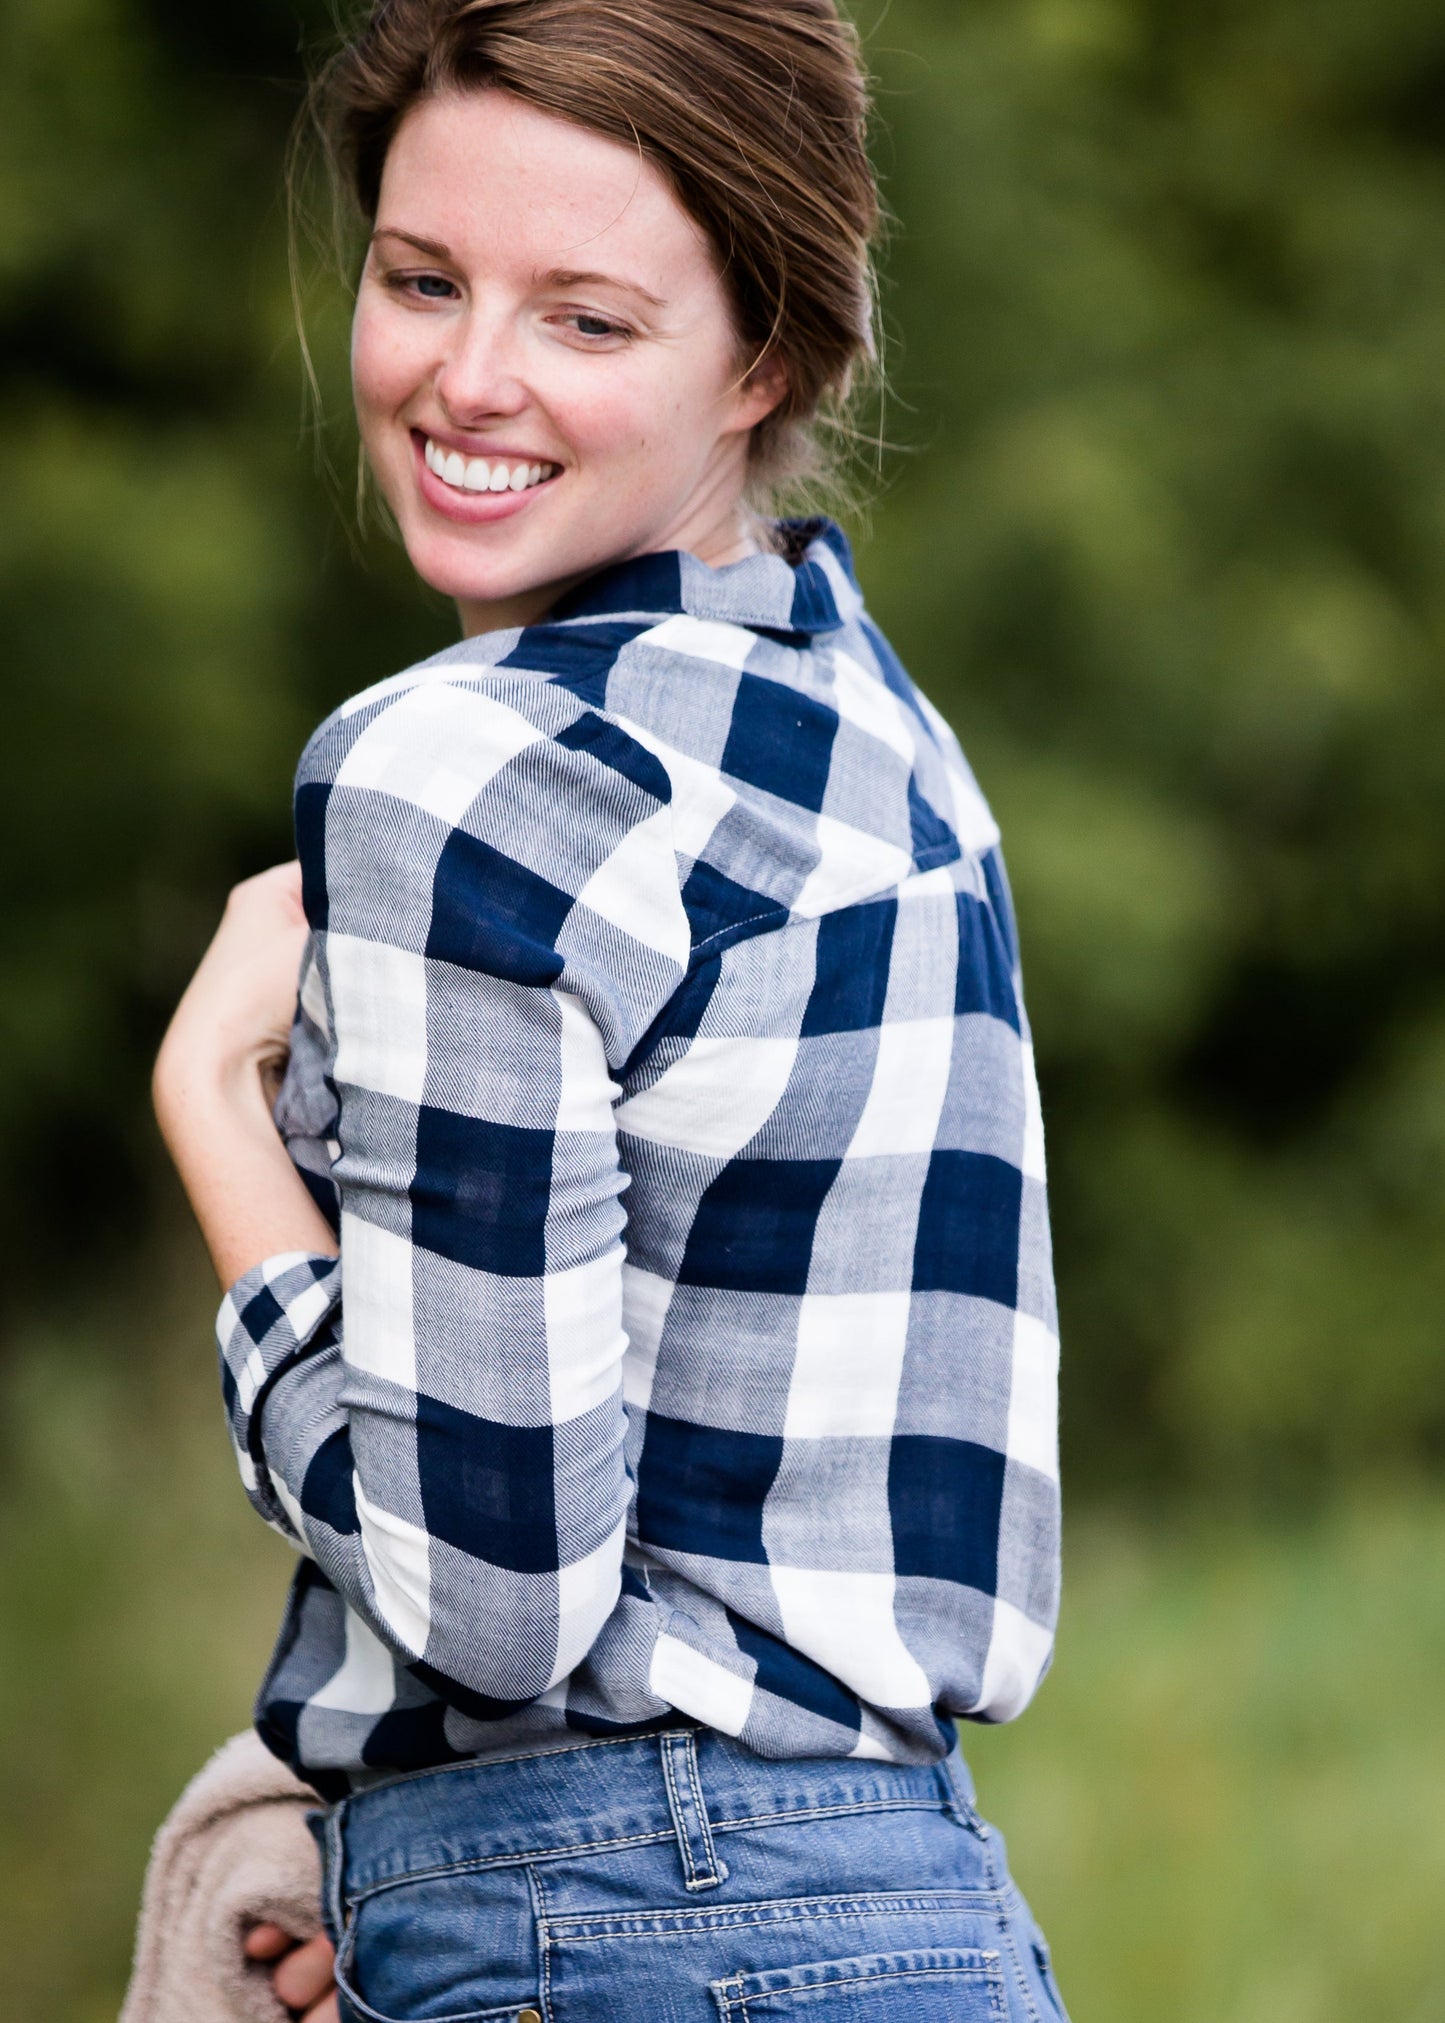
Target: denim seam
(1007, 1922)
(992, 1974)
(723, 1995)
(842, 1810)
(777, 1911)
(538, 1893)
(475, 1864)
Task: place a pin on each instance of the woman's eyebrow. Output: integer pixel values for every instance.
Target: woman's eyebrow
(566, 277)
(432, 247)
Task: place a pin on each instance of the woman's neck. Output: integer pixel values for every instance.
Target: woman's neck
(732, 539)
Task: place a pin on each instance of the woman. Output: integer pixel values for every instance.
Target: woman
(680, 1459)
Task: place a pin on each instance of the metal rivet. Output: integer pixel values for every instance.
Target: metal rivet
(528, 2016)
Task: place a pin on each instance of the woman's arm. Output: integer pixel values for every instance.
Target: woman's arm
(216, 1075)
(501, 921)
(214, 1082)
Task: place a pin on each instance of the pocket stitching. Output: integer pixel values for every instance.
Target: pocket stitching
(365, 2010)
(1010, 1909)
(346, 1954)
(988, 1969)
(544, 1938)
(723, 1996)
(776, 1910)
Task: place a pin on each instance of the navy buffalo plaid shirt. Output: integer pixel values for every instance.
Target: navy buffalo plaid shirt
(661, 1059)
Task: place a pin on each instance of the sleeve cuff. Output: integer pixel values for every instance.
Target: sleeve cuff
(282, 1311)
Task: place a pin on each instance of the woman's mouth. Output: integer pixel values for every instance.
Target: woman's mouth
(484, 474)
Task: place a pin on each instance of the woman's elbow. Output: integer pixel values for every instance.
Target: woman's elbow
(503, 1634)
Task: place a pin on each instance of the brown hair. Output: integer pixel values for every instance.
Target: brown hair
(755, 110)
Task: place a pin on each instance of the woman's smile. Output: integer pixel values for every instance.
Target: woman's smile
(475, 490)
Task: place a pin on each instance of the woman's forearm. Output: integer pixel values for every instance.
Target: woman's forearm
(229, 1035)
(247, 1197)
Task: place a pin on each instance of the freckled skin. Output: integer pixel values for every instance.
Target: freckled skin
(487, 350)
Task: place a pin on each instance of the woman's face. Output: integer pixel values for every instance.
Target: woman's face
(544, 359)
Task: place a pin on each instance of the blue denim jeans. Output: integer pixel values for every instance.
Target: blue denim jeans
(675, 1878)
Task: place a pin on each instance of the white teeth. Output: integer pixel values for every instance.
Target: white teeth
(475, 474)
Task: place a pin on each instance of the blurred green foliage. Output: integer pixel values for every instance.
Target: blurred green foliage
(1168, 300)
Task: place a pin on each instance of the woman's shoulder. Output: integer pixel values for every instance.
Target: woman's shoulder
(468, 710)
(478, 811)
(761, 705)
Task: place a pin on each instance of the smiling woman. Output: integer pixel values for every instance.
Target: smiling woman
(479, 359)
(649, 1554)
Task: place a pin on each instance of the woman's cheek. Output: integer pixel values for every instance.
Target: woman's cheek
(596, 423)
(387, 365)
(616, 411)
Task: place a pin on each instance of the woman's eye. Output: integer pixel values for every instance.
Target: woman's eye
(429, 287)
(595, 326)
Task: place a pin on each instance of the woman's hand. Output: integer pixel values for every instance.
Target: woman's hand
(235, 1018)
(304, 1977)
(216, 1079)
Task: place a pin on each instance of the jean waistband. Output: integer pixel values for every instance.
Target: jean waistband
(596, 1794)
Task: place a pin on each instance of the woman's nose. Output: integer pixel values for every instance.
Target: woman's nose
(480, 373)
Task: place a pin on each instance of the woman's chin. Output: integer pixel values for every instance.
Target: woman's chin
(514, 575)
(471, 579)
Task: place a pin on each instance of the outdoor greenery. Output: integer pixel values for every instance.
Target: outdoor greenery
(1160, 529)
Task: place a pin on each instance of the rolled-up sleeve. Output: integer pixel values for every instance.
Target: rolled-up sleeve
(437, 1419)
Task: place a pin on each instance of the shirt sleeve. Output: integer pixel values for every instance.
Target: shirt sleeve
(437, 1419)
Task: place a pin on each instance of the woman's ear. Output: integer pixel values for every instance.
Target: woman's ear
(764, 388)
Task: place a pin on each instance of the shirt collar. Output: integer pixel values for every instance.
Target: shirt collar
(818, 593)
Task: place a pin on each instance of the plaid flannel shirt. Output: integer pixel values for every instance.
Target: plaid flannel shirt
(661, 1059)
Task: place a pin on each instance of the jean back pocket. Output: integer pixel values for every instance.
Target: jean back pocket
(458, 1946)
(939, 1984)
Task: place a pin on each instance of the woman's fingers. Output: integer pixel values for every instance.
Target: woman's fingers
(237, 1008)
(303, 1976)
(306, 1975)
(266, 1942)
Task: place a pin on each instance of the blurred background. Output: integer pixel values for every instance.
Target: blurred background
(1164, 538)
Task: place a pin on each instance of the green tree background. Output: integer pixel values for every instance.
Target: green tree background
(1166, 300)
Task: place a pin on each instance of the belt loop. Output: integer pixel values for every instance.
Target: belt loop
(958, 1795)
(326, 1831)
(700, 1866)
